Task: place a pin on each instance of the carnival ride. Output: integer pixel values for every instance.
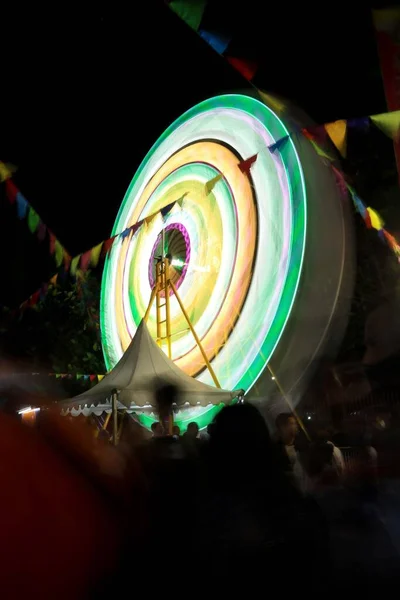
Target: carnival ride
(247, 279)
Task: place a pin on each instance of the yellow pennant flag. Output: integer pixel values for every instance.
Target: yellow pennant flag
(6, 171)
(100, 377)
(337, 131)
(376, 220)
(95, 254)
(274, 103)
(389, 123)
(53, 280)
(212, 183)
(149, 219)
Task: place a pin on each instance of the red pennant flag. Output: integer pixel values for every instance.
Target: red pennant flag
(247, 68)
(245, 165)
(34, 299)
(92, 377)
(107, 246)
(85, 260)
(11, 191)
(52, 240)
(367, 220)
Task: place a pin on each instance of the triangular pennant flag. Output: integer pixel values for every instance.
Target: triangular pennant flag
(320, 151)
(359, 205)
(245, 165)
(58, 253)
(274, 103)
(74, 264)
(218, 41)
(190, 11)
(34, 299)
(181, 200)
(33, 219)
(150, 218)
(22, 205)
(389, 123)
(100, 377)
(92, 377)
(79, 375)
(337, 131)
(392, 242)
(360, 123)
(367, 220)
(41, 231)
(247, 68)
(85, 260)
(43, 290)
(53, 280)
(11, 191)
(95, 254)
(107, 245)
(52, 242)
(279, 144)
(67, 260)
(6, 171)
(209, 186)
(58, 375)
(126, 233)
(376, 219)
(167, 209)
(340, 180)
(381, 235)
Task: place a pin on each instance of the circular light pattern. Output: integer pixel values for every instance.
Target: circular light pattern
(236, 252)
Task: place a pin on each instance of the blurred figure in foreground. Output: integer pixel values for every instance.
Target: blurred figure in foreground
(287, 454)
(253, 517)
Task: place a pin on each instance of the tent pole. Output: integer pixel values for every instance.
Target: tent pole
(114, 397)
(290, 405)
(197, 339)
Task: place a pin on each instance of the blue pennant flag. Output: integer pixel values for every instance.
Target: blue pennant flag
(164, 211)
(278, 145)
(218, 41)
(358, 203)
(361, 123)
(125, 233)
(22, 206)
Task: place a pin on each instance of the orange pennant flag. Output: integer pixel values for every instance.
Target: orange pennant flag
(337, 131)
(389, 123)
(149, 219)
(212, 183)
(53, 280)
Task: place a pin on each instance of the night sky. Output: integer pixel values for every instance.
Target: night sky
(85, 94)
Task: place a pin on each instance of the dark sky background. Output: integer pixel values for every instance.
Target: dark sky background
(85, 94)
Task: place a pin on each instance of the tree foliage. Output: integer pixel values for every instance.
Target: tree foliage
(62, 332)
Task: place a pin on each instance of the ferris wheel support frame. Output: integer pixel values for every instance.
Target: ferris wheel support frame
(164, 284)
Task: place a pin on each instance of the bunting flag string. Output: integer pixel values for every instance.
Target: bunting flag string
(35, 224)
(90, 259)
(92, 378)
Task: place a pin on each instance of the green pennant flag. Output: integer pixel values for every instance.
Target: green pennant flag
(33, 220)
(389, 123)
(95, 254)
(58, 253)
(190, 11)
(74, 264)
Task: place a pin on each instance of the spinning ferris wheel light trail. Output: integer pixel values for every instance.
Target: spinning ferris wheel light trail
(234, 252)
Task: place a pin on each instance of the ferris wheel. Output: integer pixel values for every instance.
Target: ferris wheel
(260, 258)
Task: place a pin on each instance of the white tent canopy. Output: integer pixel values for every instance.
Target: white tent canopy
(141, 369)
